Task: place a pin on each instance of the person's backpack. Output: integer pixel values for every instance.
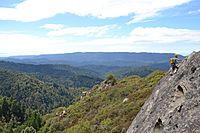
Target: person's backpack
(172, 61)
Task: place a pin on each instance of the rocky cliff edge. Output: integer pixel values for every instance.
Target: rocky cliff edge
(174, 106)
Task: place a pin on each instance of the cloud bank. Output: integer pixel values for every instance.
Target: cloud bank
(90, 31)
(52, 26)
(34, 10)
(18, 44)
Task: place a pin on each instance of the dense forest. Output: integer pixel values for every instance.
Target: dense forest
(60, 74)
(32, 92)
(16, 118)
(121, 72)
(142, 71)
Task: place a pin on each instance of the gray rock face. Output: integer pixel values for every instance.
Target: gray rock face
(174, 106)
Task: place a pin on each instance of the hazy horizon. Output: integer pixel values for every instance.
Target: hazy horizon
(89, 52)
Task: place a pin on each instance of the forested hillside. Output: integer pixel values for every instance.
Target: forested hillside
(16, 118)
(59, 74)
(142, 71)
(32, 92)
(108, 107)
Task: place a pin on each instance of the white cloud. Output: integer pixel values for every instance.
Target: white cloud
(149, 8)
(34, 10)
(16, 44)
(141, 17)
(52, 26)
(194, 12)
(140, 39)
(164, 35)
(148, 36)
(91, 31)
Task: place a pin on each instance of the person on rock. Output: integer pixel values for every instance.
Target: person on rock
(174, 64)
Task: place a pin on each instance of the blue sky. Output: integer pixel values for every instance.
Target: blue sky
(32, 27)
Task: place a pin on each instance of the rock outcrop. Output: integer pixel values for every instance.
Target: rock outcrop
(174, 106)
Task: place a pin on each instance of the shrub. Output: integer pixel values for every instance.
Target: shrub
(111, 79)
(29, 130)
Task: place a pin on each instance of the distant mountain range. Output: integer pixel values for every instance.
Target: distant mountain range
(96, 58)
(94, 64)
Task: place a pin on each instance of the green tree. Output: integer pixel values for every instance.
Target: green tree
(35, 120)
(5, 110)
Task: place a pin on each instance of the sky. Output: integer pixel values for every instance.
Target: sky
(33, 27)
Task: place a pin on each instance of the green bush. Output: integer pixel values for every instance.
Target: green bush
(82, 127)
(111, 79)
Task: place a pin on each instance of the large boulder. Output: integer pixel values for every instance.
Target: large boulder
(174, 106)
